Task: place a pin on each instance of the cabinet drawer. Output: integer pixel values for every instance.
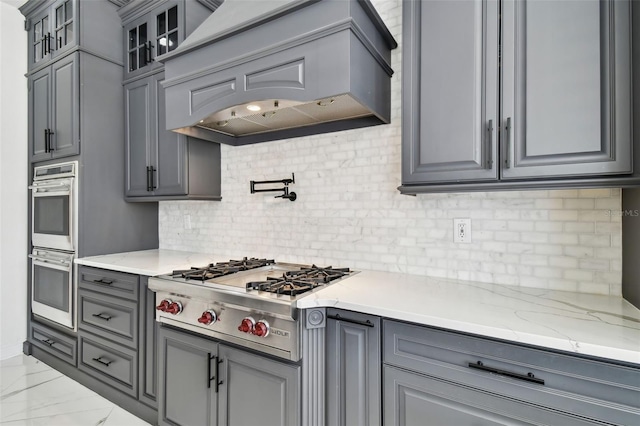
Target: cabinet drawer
(596, 389)
(113, 283)
(109, 317)
(411, 398)
(113, 364)
(54, 342)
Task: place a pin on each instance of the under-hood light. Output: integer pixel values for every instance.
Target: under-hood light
(253, 107)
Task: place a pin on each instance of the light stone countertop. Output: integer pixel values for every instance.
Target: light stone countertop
(588, 324)
(148, 262)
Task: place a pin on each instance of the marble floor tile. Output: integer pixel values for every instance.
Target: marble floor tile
(32, 393)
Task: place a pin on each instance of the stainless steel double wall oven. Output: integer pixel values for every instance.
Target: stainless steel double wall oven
(54, 236)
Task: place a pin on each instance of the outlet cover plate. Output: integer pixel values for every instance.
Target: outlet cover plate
(462, 230)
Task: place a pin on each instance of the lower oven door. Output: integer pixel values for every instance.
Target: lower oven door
(52, 286)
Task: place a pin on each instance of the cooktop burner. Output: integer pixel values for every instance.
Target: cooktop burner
(221, 269)
(292, 283)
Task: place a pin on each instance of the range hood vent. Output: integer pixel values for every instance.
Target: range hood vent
(261, 70)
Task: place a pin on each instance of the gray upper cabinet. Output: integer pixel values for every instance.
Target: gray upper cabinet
(56, 27)
(153, 28)
(161, 164)
(54, 128)
(547, 105)
(566, 101)
(154, 34)
(450, 105)
(353, 379)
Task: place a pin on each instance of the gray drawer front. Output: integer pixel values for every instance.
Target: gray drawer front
(53, 342)
(113, 364)
(109, 317)
(109, 282)
(448, 355)
(414, 399)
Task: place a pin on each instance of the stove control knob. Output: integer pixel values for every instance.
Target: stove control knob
(174, 308)
(261, 329)
(247, 324)
(208, 317)
(164, 305)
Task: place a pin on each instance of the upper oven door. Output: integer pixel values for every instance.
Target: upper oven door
(52, 286)
(53, 214)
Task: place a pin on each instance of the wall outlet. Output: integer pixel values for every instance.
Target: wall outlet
(461, 230)
(187, 221)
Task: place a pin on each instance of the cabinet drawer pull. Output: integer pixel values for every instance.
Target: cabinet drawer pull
(103, 281)
(366, 323)
(102, 316)
(99, 359)
(49, 342)
(529, 377)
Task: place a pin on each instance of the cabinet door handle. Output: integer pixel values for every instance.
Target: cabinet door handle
(152, 173)
(529, 377)
(489, 145)
(99, 359)
(49, 133)
(102, 316)
(46, 140)
(218, 382)
(366, 323)
(148, 57)
(148, 179)
(210, 357)
(47, 48)
(507, 145)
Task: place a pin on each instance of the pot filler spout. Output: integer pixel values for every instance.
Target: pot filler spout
(256, 71)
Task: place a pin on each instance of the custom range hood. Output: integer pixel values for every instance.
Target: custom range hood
(261, 70)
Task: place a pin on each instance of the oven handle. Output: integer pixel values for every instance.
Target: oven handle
(45, 185)
(50, 263)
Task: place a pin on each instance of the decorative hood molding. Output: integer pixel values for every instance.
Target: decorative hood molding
(260, 70)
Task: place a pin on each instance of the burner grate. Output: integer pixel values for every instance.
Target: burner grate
(293, 283)
(220, 269)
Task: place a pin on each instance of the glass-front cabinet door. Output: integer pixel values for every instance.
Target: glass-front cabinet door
(64, 29)
(52, 32)
(152, 35)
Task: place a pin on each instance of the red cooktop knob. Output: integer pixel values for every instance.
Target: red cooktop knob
(164, 305)
(247, 324)
(261, 329)
(174, 308)
(208, 317)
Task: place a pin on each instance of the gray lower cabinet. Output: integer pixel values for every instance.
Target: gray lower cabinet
(148, 338)
(161, 164)
(455, 379)
(53, 342)
(353, 369)
(117, 332)
(560, 76)
(416, 399)
(255, 390)
(203, 382)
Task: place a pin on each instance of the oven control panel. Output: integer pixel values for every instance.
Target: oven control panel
(242, 326)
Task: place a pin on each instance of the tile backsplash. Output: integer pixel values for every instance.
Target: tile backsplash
(349, 213)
